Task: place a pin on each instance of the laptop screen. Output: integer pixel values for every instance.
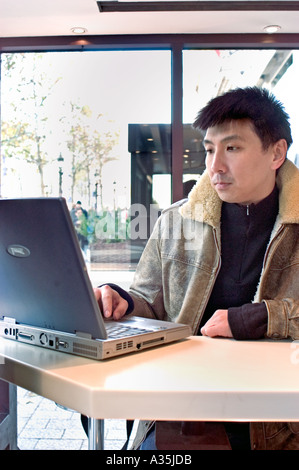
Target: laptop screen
(43, 277)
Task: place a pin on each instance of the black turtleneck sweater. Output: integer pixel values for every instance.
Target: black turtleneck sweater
(245, 234)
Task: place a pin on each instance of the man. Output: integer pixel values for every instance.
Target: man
(239, 275)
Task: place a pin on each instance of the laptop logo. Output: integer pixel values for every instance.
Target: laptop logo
(18, 251)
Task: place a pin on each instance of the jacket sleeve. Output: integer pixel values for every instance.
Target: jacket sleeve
(248, 321)
(147, 287)
(283, 318)
(279, 284)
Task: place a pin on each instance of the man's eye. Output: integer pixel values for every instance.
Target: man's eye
(232, 148)
(208, 151)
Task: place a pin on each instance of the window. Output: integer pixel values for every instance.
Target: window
(92, 127)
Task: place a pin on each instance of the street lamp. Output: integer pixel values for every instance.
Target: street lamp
(96, 175)
(60, 159)
(114, 196)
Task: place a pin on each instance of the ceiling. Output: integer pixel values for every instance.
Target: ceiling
(19, 18)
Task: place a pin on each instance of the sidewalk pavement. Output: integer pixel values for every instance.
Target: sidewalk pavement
(43, 425)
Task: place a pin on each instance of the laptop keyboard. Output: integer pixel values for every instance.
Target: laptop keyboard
(121, 331)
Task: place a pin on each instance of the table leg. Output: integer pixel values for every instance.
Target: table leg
(95, 434)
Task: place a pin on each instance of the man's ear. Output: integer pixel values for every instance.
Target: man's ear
(280, 149)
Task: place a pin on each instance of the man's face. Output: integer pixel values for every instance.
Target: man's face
(240, 170)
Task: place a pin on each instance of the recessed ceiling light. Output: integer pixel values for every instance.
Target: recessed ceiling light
(79, 30)
(272, 28)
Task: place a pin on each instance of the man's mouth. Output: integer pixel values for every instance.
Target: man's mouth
(221, 184)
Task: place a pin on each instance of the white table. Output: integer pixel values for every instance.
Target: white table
(197, 379)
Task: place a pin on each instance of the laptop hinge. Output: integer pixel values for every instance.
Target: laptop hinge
(83, 335)
(9, 320)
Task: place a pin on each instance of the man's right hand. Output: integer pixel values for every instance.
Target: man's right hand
(111, 304)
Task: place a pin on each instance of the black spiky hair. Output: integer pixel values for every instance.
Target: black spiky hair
(267, 114)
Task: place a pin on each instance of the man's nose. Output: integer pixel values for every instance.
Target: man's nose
(218, 162)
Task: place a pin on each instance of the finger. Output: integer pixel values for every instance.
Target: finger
(106, 301)
(208, 330)
(211, 331)
(97, 293)
(120, 307)
(98, 296)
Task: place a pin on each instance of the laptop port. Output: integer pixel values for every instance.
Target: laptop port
(43, 339)
(26, 336)
(61, 344)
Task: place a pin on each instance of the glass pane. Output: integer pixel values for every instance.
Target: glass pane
(68, 120)
(208, 73)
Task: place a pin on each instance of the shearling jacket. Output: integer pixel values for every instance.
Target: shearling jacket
(180, 263)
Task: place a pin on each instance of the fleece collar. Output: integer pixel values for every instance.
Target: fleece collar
(204, 204)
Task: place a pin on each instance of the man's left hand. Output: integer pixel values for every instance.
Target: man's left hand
(217, 325)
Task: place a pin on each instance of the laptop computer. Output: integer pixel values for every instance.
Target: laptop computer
(46, 297)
